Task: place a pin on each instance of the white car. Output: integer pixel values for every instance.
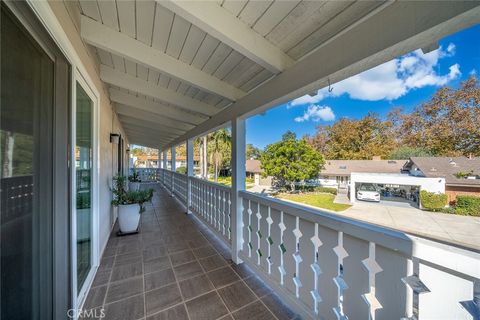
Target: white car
(368, 192)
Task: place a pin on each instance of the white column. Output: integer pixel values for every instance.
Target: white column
(164, 160)
(189, 173)
(238, 184)
(173, 168)
(173, 159)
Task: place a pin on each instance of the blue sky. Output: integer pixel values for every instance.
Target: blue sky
(407, 82)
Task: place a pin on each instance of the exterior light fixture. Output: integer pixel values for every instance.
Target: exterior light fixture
(114, 138)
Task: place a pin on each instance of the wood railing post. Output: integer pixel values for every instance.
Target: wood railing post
(189, 173)
(238, 184)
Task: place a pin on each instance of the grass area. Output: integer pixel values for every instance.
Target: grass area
(228, 181)
(316, 199)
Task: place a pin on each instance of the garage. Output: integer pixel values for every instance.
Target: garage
(392, 189)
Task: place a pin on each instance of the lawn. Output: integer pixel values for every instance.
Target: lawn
(319, 200)
(228, 181)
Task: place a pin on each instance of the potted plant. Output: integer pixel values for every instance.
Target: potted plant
(130, 205)
(134, 181)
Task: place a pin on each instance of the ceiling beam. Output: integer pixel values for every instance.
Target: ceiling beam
(146, 136)
(126, 81)
(221, 24)
(155, 107)
(146, 143)
(144, 139)
(148, 125)
(101, 36)
(148, 116)
(146, 131)
(392, 31)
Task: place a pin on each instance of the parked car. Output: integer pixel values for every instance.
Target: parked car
(368, 192)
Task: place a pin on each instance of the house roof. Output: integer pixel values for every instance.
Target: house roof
(447, 167)
(346, 167)
(253, 166)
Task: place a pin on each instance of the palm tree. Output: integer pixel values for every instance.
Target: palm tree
(219, 137)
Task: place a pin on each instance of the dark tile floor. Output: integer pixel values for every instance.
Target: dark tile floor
(175, 268)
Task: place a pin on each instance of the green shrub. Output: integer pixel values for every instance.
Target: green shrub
(433, 201)
(468, 205)
(182, 170)
(326, 190)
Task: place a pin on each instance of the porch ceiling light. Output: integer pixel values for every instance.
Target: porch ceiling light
(114, 138)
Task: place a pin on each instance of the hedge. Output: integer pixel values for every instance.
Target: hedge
(326, 190)
(468, 205)
(433, 201)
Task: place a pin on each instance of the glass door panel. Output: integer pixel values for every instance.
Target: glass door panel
(83, 170)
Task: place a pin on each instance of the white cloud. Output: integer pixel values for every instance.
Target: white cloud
(306, 99)
(473, 72)
(317, 113)
(393, 79)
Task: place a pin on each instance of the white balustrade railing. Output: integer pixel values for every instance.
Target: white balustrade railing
(180, 185)
(331, 267)
(147, 174)
(211, 202)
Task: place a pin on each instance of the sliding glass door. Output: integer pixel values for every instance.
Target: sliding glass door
(83, 189)
(34, 167)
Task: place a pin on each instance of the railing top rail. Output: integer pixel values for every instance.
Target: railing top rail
(387, 238)
(213, 184)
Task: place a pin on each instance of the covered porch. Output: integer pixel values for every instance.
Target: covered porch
(176, 268)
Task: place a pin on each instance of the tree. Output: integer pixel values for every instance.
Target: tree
(448, 124)
(406, 152)
(290, 160)
(221, 140)
(252, 152)
(355, 139)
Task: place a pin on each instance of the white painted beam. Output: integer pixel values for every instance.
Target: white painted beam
(123, 80)
(149, 132)
(155, 107)
(221, 24)
(148, 125)
(148, 116)
(111, 40)
(147, 138)
(399, 28)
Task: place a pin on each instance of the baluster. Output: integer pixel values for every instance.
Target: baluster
(339, 279)
(356, 276)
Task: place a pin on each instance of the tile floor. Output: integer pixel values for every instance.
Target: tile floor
(176, 269)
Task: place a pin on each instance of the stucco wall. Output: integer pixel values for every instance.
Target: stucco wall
(68, 15)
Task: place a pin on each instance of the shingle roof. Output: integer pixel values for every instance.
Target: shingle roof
(447, 167)
(346, 167)
(253, 166)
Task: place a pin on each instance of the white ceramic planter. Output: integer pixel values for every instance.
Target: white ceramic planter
(128, 217)
(133, 186)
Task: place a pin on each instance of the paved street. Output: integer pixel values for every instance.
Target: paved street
(461, 230)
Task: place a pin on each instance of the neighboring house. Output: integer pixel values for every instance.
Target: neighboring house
(253, 169)
(152, 161)
(338, 172)
(462, 174)
(389, 176)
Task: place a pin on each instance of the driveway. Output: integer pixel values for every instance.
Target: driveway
(460, 230)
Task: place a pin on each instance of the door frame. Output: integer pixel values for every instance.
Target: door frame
(79, 298)
(56, 299)
(50, 22)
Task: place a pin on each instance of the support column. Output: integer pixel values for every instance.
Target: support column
(238, 184)
(189, 173)
(174, 164)
(164, 160)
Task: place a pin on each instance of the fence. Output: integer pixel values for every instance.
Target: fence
(330, 267)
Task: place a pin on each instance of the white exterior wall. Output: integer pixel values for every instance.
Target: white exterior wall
(436, 185)
(68, 15)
